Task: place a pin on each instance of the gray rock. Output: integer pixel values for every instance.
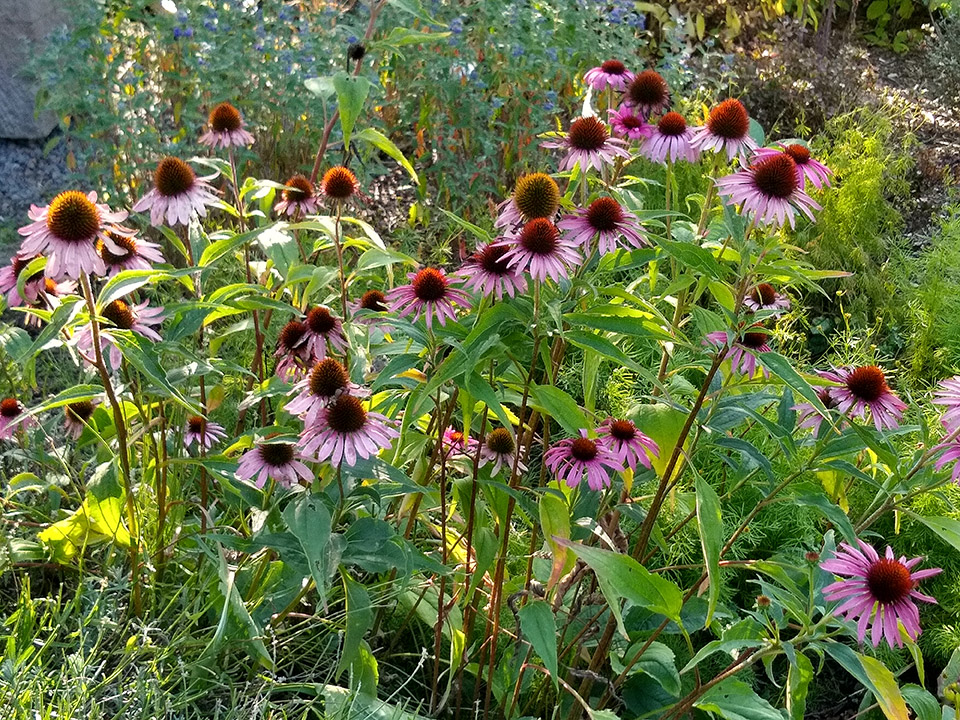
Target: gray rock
(24, 25)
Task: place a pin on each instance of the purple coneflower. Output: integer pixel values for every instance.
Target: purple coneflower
(201, 431)
(648, 94)
(670, 140)
(372, 301)
(765, 297)
(500, 450)
(627, 124)
(608, 221)
(589, 145)
(882, 588)
(456, 443)
(808, 416)
(12, 415)
(67, 231)
(226, 128)
(45, 293)
(948, 395)
(327, 380)
(569, 459)
(727, 130)
(950, 454)
(292, 353)
(76, 416)
(140, 318)
(611, 74)
(866, 387)
(177, 194)
(627, 443)
(346, 431)
(742, 354)
(138, 254)
(429, 294)
(324, 332)
(808, 169)
(9, 274)
(535, 195)
(541, 250)
(277, 460)
(339, 184)
(297, 198)
(488, 273)
(769, 189)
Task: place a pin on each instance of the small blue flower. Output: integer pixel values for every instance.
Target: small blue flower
(517, 51)
(181, 17)
(456, 26)
(352, 40)
(552, 53)
(497, 102)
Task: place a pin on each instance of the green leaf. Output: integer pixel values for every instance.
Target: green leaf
(309, 521)
(813, 497)
(216, 250)
(874, 676)
(554, 524)
(141, 353)
(359, 619)
(540, 628)
(623, 578)
(125, 282)
(600, 345)
(711, 538)
(322, 87)
(923, 703)
(33, 267)
(68, 396)
(400, 36)
(385, 144)
(757, 133)
(876, 9)
(663, 424)
(888, 692)
(480, 389)
(947, 528)
(560, 406)
(474, 230)
(233, 605)
(97, 520)
(735, 700)
(352, 91)
(343, 704)
(799, 675)
(693, 257)
(782, 368)
(620, 319)
(58, 320)
(657, 661)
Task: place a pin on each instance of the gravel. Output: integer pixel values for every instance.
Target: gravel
(28, 175)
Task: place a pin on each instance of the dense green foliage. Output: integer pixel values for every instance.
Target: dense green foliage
(144, 574)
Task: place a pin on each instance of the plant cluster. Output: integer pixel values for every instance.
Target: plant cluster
(569, 475)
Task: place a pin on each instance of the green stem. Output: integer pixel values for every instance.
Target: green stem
(120, 425)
